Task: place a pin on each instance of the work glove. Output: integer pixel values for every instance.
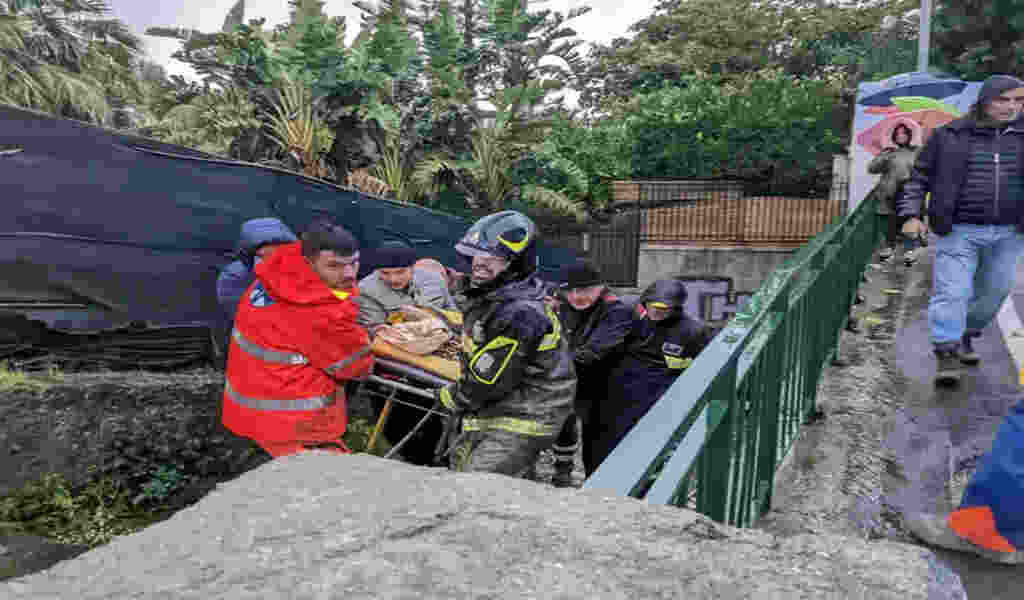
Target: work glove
(914, 228)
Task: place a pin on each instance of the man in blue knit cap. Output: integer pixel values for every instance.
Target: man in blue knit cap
(974, 169)
(258, 239)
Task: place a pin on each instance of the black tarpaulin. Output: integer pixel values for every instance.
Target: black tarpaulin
(136, 230)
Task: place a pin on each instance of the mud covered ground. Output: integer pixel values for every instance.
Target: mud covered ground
(127, 425)
(891, 442)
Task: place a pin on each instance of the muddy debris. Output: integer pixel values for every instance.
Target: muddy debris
(152, 442)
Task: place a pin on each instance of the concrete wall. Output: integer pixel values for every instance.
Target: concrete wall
(719, 280)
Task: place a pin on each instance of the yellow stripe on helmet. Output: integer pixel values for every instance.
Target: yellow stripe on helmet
(515, 246)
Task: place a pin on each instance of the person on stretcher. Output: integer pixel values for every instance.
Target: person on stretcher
(394, 284)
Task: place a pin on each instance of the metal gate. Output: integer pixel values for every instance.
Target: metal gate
(614, 247)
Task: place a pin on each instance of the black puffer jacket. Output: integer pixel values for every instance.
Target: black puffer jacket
(596, 338)
(973, 174)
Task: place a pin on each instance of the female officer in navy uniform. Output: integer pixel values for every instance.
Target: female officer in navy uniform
(661, 345)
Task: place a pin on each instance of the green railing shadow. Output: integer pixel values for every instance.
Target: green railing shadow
(715, 439)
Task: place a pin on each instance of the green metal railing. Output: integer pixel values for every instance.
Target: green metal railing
(713, 442)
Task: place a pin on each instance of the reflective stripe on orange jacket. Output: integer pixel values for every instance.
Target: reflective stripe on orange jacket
(294, 340)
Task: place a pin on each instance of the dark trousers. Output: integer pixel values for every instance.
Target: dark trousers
(570, 436)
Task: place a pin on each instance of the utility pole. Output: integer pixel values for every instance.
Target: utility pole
(924, 35)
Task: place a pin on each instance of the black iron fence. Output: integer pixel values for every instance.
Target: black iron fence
(613, 245)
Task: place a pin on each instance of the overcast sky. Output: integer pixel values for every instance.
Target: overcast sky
(608, 19)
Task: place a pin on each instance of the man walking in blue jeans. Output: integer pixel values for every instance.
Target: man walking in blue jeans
(974, 169)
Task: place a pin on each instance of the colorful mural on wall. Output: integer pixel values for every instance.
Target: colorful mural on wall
(920, 101)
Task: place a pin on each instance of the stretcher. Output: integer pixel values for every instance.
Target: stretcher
(409, 379)
(416, 364)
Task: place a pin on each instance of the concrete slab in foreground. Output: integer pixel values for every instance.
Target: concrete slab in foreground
(320, 526)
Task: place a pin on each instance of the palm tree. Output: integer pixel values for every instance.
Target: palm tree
(65, 57)
(487, 178)
(297, 129)
(209, 121)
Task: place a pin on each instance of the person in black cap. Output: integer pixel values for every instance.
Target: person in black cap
(973, 168)
(394, 284)
(596, 324)
(662, 344)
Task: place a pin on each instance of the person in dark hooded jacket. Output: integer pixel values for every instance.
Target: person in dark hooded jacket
(258, 238)
(596, 324)
(973, 168)
(518, 380)
(661, 345)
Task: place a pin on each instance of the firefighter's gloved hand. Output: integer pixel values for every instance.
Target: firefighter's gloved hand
(452, 400)
(445, 396)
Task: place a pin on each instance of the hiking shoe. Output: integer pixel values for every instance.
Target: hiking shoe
(910, 258)
(886, 253)
(935, 530)
(967, 354)
(947, 369)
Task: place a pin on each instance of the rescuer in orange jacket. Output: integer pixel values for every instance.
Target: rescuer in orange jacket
(294, 343)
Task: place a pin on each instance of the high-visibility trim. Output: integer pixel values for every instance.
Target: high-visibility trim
(659, 305)
(309, 403)
(342, 364)
(977, 524)
(267, 354)
(676, 363)
(510, 424)
(550, 340)
(499, 343)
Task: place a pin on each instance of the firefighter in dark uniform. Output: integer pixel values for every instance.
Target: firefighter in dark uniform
(662, 345)
(596, 324)
(518, 380)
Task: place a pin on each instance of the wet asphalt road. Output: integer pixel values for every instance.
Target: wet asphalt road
(938, 435)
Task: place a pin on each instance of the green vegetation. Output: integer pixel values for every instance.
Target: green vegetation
(91, 515)
(460, 106)
(119, 501)
(357, 437)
